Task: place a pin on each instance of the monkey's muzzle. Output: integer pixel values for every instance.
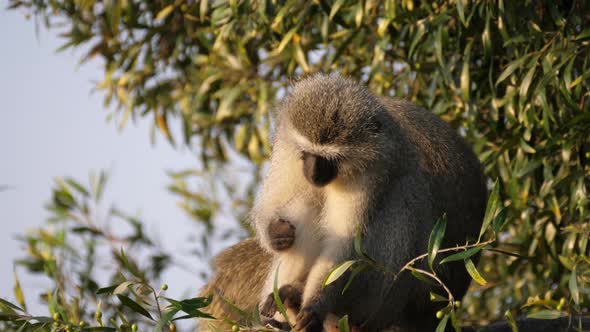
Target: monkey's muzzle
(318, 170)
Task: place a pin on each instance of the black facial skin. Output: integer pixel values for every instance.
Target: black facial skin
(319, 171)
(281, 234)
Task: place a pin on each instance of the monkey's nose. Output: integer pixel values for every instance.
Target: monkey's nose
(318, 170)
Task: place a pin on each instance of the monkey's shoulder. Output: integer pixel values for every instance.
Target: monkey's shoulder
(439, 148)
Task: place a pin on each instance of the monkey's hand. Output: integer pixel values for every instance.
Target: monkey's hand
(281, 234)
(309, 320)
(290, 297)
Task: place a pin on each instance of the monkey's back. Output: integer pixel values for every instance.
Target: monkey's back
(454, 175)
(240, 272)
(454, 185)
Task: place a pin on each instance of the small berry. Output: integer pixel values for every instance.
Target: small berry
(172, 327)
(235, 328)
(98, 315)
(439, 314)
(82, 323)
(164, 287)
(457, 304)
(56, 316)
(134, 327)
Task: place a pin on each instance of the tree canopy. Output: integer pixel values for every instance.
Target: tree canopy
(511, 76)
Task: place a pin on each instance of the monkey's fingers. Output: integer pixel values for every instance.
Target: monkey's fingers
(309, 321)
(291, 297)
(269, 307)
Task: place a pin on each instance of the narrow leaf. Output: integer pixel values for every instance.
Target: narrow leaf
(106, 290)
(162, 14)
(492, 205)
(164, 320)
(335, 8)
(278, 302)
(499, 220)
(126, 301)
(573, 286)
(461, 255)
(436, 236)
(358, 269)
(443, 322)
(343, 325)
(461, 12)
(122, 287)
(512, 66)
(337, 272)
(437, 298)
(474, 273)
(18, 292)
(418, 275)
(10, 304)
(547, 314)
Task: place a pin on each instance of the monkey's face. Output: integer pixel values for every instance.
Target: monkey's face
(336, 125)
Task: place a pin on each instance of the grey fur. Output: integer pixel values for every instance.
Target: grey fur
(399, 169)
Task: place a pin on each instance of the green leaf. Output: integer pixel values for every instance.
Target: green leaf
(461, 11)
(465, 82)
(418, 275)
(162, 14)
(511, 67)
(337, 272)
(437, 298)
(343, 325)
(164, 320)
(10, 304)
(122, 287)
(130, 267)
(335, 8)
(474, 273)
(499, 220)
(18, 292)
(9, 317)
(417, 36)
(573, 286)
(547, 314)
(126, 301)
(106, 290)
(77, 186)
(511, 321)
(492, 206)
(278, 302)
(436, 237)
(526, 81)
(203, 9)
(462, 255)
(356, 270)
(443, 322)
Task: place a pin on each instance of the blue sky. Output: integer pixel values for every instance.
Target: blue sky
(52, 125)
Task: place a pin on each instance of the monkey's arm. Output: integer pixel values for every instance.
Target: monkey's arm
(393, 233)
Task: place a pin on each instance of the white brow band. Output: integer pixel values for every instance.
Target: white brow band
(321, 150)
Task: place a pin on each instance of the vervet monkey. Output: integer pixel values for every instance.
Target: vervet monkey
(344, 159)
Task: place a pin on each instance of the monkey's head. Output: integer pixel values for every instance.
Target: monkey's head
(339, 128)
